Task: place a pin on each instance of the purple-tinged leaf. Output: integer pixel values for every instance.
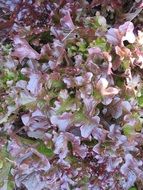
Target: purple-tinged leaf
(131, 164)
(123, 52)
(99, 134)
(25, 98)
(131, 178)
(63, 121)
(90, 105)
(87, 128)
(69, 82)
(32, 182)
(67, 22)
(24, 50)
(79, 80)
(113, 36)
(14, 148)
(125, 32)
(25, 174)
(34, 84)
(21, 84)
(61, 147)
(118, 107)
(102, 85)
(36, 124)
(95, 51)
(78, 149)
(113, 163)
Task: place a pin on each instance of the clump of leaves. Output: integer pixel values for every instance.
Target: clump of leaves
(71, 95)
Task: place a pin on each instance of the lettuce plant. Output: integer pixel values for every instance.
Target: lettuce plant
(71, 95)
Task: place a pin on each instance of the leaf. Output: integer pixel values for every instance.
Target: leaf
(26, 141)
(87, 128)
(46, 37)
(113, 36)
(1, 164)
(97, 95)
(57, 84)
(25, 98)
(10, 185)
(9, 75)
(102, 86)
(6, 166)
(61, 146)
(128, 130)
(77, 148)
(95, 24)
(72, 159)
(91, 143)
(133, 188)
(67, 22)
(24, 50)
(127, 30)
(34, 84)
(140, 101)
(43, 149)
(124, 32)
(79, 116)
(62, 121)
(66, 105)
(138, 126)
(101, 43)
(84, 181)
(82, 46)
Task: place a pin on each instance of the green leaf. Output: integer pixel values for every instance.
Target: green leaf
(126, 64)
(82, 46)
(84, 181)
(26, 141)
(140, 101)
(1, 164)
(90, 143)
(79, 116)
(101, 43)
(57, 84)
(45, 150)
(41, 103)
(73, 48)
(128, 130)
(97, 95)
(95, 24)
(20, 76)
(46, 37)
(138, 126)
(72, 159)
(8, 75)
(10, 185)
(106, 144)
(133, 188)
(5, 167)
(66, 105)
(6, 49)
(4, 119)
(119, 82)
